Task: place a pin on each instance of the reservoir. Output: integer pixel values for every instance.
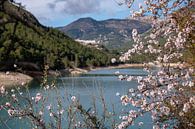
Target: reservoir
(89, 89)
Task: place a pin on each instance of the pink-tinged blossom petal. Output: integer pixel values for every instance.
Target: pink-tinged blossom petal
(156, 127)
(49, 107)
(7, 104)
(73, 98)
(1, 107)
(51, 114)
(140, 123)
(40, 113)
(10, 112)
(186, 107)
(113, 60)
(38, 97)
(2, 90)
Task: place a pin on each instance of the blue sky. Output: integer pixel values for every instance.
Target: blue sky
(62, 12)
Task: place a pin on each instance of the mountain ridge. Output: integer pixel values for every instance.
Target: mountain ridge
(110, 32)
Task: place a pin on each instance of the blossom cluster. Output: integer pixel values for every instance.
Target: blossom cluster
(168, 90)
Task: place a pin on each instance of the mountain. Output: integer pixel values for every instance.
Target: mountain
(113, 33)
(30, 45)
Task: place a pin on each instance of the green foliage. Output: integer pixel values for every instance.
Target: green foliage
(22, 41)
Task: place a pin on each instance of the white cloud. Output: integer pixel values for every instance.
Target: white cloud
(52, 10)
(75, 7)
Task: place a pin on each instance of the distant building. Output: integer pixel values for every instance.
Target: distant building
(89, 43)
(86, 42)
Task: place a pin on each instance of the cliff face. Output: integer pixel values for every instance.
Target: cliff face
(111, 32)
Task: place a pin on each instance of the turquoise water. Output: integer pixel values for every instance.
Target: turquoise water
(86, 87)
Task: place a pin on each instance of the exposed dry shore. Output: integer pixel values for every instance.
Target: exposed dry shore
(10, 79)
(131, 66)
(119, 66)
(14, 78)
(80, 71)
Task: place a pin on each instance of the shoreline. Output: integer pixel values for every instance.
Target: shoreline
(11, 79)
(120, 66)
(85, 70)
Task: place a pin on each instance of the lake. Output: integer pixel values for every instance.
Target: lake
(89, 88)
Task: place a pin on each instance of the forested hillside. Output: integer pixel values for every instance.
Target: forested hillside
(23, 40)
